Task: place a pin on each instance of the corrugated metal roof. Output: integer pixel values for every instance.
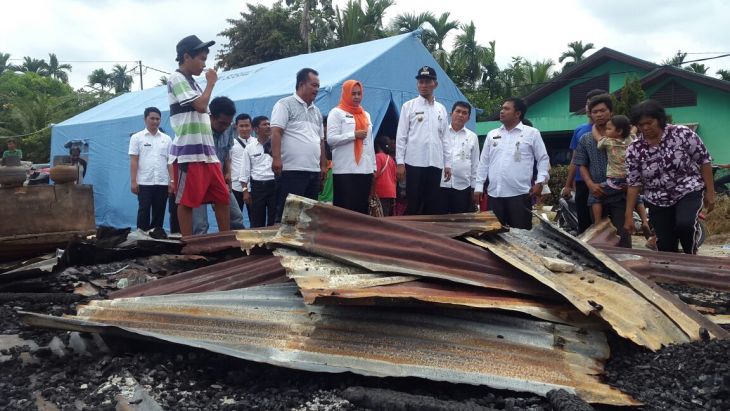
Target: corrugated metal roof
(210, 243)
(383, 246)
(690, 321)
(694, 270)
(452, 225)
(453, 295)
(240, 272)
(272, 324)
(630, 315)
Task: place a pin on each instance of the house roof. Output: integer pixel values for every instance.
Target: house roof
(594, 60)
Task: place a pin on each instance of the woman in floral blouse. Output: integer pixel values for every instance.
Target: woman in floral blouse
(672, 166)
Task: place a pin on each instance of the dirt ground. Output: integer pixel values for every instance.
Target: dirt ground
(715, 246)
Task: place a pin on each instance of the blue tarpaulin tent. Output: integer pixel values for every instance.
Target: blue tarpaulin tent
(386, 68)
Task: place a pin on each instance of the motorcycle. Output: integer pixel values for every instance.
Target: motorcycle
(567, 219)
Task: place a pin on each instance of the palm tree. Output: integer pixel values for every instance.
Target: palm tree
(31, 65)
(676, 60)
(119, 78)
(408, 22)
(356, 24)
(537, 73)
(576, 53)
(441, 28)
(4, 57)
(468, 56)
(724, 74)
(101, 78)
(57, 71)
(163, 81)
(697, 68)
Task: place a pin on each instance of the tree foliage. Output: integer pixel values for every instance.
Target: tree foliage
(697, 68)
(357, 24)
(576, 53)
(631, 94)
(723, 74)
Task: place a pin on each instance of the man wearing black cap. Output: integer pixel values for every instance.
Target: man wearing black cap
(422, 149)
(197, 168)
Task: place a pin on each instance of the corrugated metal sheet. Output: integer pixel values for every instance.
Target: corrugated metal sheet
(240, 272)
(662, 267)
(382, 246)
(210, 243)
(547, 235)
(248, 239)
(694, 270)
(452, 225)
(318, 273)
(452, 295)
(630, 315)
(271, 324)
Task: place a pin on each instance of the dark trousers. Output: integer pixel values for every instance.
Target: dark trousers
(453, 201)
(615, 208)
(351, 191)
(263, 203)
(422, 189)
(512, 211)
(172, 209)
(152, 200)
(302, 183)
(238, 195)
(581, 206)
(388, 206)
(677, 223)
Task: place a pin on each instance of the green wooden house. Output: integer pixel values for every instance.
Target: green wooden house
(558, 107)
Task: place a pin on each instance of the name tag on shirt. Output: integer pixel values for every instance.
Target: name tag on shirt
(349, 116)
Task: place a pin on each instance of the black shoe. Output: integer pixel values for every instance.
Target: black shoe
(158, 233)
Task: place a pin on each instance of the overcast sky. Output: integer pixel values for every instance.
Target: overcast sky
(106, 31)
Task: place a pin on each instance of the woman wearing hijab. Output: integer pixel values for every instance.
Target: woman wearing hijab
(350, 135)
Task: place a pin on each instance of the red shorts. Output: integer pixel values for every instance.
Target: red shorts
(200, 183)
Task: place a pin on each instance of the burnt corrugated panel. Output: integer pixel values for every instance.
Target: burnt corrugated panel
(450, 294)
(272, 324)
(382, 246)
(240, 272)
(694, 270)
(210, 243)
(452, 225)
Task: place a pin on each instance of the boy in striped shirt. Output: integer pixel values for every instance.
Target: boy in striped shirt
(192, 153)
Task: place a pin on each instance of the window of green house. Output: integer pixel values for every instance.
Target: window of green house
(674, 94)
(578, 92)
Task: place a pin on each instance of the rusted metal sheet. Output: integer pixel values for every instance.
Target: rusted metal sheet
(210, 243)
(271, 324)
(452, 295)
(688, 319)
(630, 315)
(662, 267)
(249, 239)
(240, 272)
(452, 225)
(382, 246)
(312, 272)
(602, 233)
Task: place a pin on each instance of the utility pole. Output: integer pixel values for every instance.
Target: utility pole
(141, 85)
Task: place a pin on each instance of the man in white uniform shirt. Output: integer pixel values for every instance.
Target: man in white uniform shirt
(259, 184)
(243, 127)
(297, 142)
(422, 151)
(507, 160)
(150, 177)
(456, 194)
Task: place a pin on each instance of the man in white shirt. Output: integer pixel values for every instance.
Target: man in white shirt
(422, 149)
(507, 160)
(243, 127)
(456, 194)
(259, 184)
(150, 176)
(297, 142)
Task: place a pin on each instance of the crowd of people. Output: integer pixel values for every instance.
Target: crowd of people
(241, 164)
